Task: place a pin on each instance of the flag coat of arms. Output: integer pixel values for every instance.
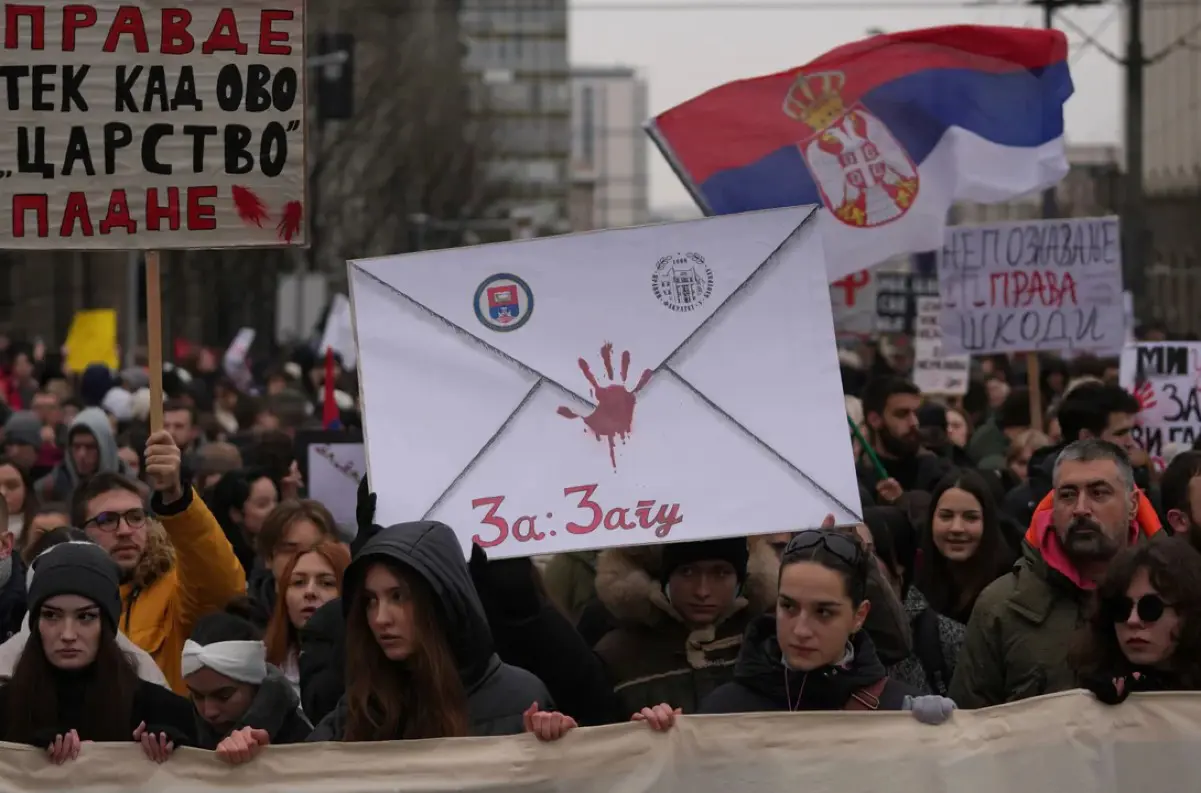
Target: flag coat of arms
(885, 133)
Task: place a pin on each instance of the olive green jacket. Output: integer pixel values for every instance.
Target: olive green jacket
(1019, 635)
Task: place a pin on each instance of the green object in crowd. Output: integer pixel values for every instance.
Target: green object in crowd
(867, 447)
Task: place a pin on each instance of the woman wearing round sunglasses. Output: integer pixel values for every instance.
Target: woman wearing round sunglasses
(1144, 633)
(811, 653)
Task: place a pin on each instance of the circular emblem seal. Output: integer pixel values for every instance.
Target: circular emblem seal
(504, 302)
(682, 281)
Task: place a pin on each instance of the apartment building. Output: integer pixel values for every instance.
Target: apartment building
(609, 147)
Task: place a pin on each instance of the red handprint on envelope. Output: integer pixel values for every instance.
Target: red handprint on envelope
(613, 418)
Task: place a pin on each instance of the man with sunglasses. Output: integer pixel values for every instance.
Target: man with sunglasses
(176, 566)
(1022, 625)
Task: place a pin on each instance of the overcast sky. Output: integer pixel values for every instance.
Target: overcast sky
(687, 49)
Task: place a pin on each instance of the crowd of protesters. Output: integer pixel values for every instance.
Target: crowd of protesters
(177, 588)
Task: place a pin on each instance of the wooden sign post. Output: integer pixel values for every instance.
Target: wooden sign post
(154, 338)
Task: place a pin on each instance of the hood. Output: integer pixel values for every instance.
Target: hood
(158, 557)
(627, 583)
(23, 427)
(432, 551)
(95, 421)
(272, 706)
(760, 668)
(1042, 538)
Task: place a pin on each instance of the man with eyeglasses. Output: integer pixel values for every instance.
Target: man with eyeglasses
(176, 565)
(1022, 625)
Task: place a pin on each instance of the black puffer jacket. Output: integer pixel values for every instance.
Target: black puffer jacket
(12, 601)
(322, 660)
(274, 709)
(497, 694)
(761, 683)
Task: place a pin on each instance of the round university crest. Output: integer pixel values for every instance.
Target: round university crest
(682, 281)
(504, 302)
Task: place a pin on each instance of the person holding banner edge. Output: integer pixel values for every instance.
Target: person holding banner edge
(73, 683)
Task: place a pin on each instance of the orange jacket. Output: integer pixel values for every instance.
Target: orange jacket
(188, 570)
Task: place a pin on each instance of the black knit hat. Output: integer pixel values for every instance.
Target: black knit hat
(732, 550)
(77, 568)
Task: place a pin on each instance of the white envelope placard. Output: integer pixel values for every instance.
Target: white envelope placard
(654, 384)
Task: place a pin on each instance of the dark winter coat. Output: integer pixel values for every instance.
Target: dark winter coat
(13, 603)
(322, 660)
(531, 633)
(761, 682)
(920, 472)
(275, 708)
(652, 656)
(160, 708)
(497, 694)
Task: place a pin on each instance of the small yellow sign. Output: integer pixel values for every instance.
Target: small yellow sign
(92, 339)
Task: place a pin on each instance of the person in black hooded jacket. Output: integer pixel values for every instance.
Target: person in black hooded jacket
(420, 661)
(528, 632)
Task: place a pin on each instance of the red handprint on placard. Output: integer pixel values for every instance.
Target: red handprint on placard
(613, 418)
(253, 211)
(1145, 394)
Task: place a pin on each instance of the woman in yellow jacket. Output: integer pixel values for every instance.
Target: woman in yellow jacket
(176, 566)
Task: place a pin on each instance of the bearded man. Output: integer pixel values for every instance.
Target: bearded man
(1022, 625)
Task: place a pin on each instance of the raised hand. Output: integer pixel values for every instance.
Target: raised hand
(163, 464)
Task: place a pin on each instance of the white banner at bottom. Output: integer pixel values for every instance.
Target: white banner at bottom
(1064, 743)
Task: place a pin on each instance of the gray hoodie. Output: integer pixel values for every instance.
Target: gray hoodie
(60, 483)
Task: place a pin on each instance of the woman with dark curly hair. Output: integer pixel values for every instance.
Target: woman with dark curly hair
(1144, 632)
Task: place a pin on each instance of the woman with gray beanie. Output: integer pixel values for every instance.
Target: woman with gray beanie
(10, 650)
(73, 682)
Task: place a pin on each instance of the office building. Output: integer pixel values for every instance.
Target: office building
(609, 146)
(520, 91)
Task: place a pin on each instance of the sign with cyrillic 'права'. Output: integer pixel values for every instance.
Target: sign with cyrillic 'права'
(146, 125)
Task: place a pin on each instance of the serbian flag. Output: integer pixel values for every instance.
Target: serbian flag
(885, 134)
(331, 417)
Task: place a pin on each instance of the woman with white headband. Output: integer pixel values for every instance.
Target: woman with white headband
(234, 688)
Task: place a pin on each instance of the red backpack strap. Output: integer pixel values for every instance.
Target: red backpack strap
(867, 698)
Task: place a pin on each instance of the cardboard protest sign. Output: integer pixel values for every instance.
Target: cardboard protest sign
(1032, 286)
(934, 370)
(144, 125)
(1165, 378)
(654, 384)
(332, 464)
(92, 338)
(898, 295)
